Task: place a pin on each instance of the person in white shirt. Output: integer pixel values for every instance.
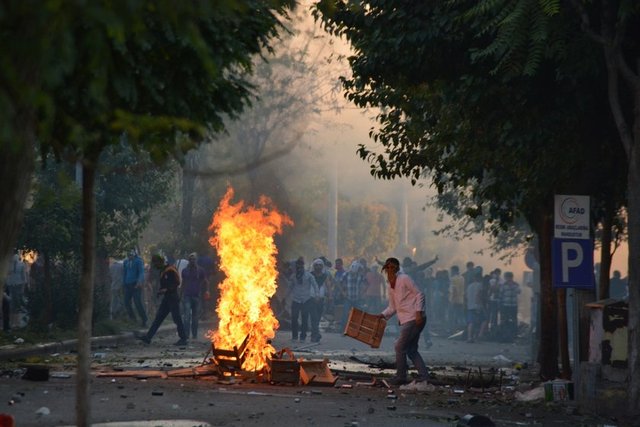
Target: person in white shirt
(16, 283)
(407, 302)
(304, 290)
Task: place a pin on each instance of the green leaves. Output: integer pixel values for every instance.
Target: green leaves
(475, 96)
(90, 64)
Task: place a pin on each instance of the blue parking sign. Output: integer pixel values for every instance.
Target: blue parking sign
(572, 263)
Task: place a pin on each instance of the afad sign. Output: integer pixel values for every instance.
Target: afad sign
(571, 217)
(572, 247)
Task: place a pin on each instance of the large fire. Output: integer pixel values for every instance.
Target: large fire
(244, 239)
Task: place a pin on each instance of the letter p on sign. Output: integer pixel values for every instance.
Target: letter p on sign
(572, 257)
(572, 263)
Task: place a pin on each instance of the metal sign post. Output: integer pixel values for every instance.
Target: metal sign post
(572, 258)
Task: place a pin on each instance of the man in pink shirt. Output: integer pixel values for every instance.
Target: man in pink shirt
(407, 302)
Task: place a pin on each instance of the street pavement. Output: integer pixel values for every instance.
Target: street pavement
(205, 400)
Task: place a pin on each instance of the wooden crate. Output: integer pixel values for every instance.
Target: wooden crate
(283, 371)
(283, 368)
(365, 327)
(230, 360)
(316, 372)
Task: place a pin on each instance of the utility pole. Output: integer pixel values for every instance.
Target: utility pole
(404, 217)
(332, 220)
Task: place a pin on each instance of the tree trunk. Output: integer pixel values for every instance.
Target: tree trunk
(624, 66)
(605, 253)
(630, 137)
(548, 350)
(83, 394)
(633, 192)
(17, 160)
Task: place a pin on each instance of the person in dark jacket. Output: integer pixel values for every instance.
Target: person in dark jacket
(169, 284)
(194, 283)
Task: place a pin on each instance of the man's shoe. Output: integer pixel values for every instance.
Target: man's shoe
(180, 343)
(397, 381)
(144, 339)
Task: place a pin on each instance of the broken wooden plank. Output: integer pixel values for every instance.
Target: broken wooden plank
(196, 371)
(133, 374)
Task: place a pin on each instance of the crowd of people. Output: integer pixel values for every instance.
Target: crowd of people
(136, 292)
(484, 306)
(180, 287)
(481, 305)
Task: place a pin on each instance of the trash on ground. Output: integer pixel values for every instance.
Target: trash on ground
(418, 386)
(530, 395)
(43, 411)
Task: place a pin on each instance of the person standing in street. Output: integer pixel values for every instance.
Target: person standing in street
(355, 283)
(169, 284)
(475, 312)
(508, 297)
(132, 282)
(304, 290)
(15, 285)
(322, 279)
(6, 310)
(407, 302)
(194, 282)
(456, 300)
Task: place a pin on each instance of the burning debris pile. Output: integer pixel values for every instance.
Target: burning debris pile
(244, 240)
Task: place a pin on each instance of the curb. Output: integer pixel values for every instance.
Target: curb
(21, 351)
(61, 346)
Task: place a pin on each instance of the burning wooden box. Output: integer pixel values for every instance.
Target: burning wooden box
(316, 372)
(281, 369)
(230, 360)
(365, 327)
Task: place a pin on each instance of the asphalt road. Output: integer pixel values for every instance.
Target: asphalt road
(205, 400)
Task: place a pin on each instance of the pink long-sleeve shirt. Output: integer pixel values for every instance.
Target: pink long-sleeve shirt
(404, 300)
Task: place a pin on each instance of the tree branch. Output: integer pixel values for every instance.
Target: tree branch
(610, 38)
(614, 101)
(626, 71)
(238, 170)
(586, 23)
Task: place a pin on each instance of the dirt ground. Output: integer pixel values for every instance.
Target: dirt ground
(494, 380)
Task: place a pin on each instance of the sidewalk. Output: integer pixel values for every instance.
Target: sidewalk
(21, 351)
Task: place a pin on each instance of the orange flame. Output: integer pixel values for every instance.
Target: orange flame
(244, 242)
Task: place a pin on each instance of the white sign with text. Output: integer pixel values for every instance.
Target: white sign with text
(571, 217)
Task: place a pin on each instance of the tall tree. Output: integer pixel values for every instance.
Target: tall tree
(149, 69)
(613, 27)
(292, 89)
(447, 113)
(128, 189)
